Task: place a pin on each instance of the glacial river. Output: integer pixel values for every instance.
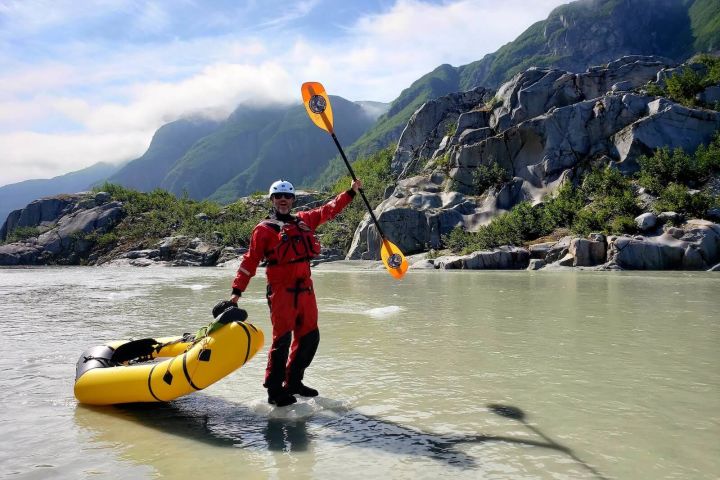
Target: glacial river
(463, 375)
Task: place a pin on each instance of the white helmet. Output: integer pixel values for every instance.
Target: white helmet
(281, 186)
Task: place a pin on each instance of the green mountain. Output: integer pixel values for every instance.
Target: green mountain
(573, 37)
(592, 32)
(257, 145)
(168, 145)
(17, 195)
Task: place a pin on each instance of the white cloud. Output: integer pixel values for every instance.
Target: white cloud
(152, 19)
(34, 155)
(384, 53)
(114, 99)
(120, 131)
(297, 10)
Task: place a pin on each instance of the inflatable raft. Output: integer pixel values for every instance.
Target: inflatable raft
(137, 370)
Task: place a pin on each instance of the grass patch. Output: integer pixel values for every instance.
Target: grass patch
(20, 234)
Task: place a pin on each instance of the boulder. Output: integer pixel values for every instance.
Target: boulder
(197, 254)
(558, 250)
(637, 254)
(667, 124)
(502, 258)
(228, 254)
(540, 250)
(169, 246)
(19, 254)
(646, 221)
(68, 237)
(415, 217)
(710, 96)
(696, 247)
(43, 211)
(147, 253)
(586, 252)
(536, 264)
(672, 218)
(713, 214)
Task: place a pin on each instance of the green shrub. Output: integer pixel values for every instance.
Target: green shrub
(668, 166)
(108, 239)
(682, 87)
(677, 198)
(458, 240)
(20, 234)
(670, 174)
(713, 64)
(375, 173)
(442, 163)
(654, 89)
(708, 158)
(511, 228)
(622, 224)
(451, 129)
(486, 176)
(561, 209)
(611, 198)
(157, 214)
(603, 203)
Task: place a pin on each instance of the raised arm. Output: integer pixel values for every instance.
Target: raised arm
(324, 213)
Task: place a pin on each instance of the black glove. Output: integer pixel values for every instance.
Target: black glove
(221, 306)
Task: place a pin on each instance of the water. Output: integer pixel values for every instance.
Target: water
(497, 375)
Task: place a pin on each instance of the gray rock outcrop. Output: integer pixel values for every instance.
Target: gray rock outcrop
(65, 226)
(694, 246)
(544, 127)
(428, 126)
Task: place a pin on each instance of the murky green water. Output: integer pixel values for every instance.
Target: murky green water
(600, 375)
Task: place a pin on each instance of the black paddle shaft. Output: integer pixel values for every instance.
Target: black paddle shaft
(362, 194)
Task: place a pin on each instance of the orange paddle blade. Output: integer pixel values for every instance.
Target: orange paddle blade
(393, 259)
(317, 104)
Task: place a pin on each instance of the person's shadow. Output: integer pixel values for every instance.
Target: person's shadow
(221, 423)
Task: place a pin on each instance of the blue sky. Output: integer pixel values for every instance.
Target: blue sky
(84, 81)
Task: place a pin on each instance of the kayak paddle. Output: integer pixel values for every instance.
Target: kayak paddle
(317, 104)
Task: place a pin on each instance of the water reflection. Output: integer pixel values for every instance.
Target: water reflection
(219, 423)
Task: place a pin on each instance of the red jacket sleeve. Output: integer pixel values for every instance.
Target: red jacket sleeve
(317, 216)
(251, 259)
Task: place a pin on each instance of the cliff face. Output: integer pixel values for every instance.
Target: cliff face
(544, 127)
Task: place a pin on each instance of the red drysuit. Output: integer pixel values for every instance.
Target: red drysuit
(288, 243)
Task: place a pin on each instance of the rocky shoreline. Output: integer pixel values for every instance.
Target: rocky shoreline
(693, 246)
(69, 227)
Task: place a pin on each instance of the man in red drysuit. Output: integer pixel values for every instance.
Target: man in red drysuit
(287, 243)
